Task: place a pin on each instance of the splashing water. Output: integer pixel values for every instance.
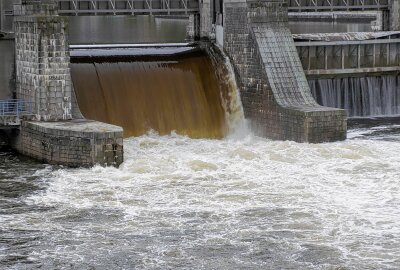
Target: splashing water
(239, 203)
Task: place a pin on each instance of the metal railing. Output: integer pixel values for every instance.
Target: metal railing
(336, 5)
(118, 7)
(15, 108)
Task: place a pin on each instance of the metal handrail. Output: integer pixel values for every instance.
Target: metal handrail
(16, 107)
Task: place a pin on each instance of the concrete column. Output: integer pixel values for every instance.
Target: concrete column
(394, 15)
(42, 60)
(43, 77)
(206, 24)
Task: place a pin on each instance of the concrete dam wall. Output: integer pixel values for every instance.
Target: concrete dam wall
(274, 90)
(184, 92)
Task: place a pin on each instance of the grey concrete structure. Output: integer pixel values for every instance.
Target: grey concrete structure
(43, 78)
(72, 143)
(274, 89)
(42, 61)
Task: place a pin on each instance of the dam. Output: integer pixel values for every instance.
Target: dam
(217, 195)
(277, 107)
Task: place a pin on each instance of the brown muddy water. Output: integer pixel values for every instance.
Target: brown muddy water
(181, 94)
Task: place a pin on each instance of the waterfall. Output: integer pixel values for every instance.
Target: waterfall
(360, 96)
(182, 94)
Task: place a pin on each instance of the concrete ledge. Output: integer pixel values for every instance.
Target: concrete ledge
(72, 143)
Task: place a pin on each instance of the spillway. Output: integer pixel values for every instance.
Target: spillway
(360, 96)
(170, 92)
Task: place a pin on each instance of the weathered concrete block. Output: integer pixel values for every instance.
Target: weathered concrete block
(73, 143)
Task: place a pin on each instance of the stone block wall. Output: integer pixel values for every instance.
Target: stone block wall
(43, 77)
(42, 62)
(274, 90)
(76, 143)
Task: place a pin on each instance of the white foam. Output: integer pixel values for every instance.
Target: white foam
(256, 203)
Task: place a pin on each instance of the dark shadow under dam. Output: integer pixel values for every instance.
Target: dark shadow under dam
(162, 93)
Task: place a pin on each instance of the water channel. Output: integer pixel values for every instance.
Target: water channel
(241, 202)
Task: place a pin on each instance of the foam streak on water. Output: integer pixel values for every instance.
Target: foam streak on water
(248, 203)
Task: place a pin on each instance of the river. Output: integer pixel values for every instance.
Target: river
(242, 202)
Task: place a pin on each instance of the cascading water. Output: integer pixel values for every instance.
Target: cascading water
(360, 96)
(182, 94)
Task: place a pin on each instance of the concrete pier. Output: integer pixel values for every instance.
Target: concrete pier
(274, 90)
(43, 78)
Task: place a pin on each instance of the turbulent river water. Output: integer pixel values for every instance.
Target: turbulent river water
(242, 202)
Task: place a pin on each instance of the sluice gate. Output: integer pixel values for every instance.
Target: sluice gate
(353, 71)
(335, 54)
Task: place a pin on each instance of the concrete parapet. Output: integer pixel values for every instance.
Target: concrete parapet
(72, 143)
(274, 90)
